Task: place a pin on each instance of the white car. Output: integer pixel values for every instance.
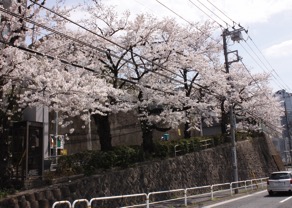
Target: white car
(280, 181)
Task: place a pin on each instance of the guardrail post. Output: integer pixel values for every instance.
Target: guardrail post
(175, 151)
(81, 200)
(212, 197)
(62, 202)
(147, 200)
(245, 186)
(186, 197)
(230, 189)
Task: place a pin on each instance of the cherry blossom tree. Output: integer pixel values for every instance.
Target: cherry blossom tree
(168, 73)
(253, 100)
(11, 32)
(30, 78)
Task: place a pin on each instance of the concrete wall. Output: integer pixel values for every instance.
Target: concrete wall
(256, 158)
(125, 130)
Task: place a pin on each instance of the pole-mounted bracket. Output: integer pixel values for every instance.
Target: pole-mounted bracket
(238, 58)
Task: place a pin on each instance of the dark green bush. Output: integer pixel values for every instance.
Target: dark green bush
(73, 164)
(219, 139)
(107, 160)
(161, 149)
(127, 155)
(89, 162)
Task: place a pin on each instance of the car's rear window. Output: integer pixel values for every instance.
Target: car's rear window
(280, 176)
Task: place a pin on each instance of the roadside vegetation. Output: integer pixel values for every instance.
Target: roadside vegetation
(94, 162)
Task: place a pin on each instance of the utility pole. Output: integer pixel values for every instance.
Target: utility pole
(235, 36)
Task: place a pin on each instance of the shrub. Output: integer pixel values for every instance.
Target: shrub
(127, 155)
(89, 162)
(161, 149)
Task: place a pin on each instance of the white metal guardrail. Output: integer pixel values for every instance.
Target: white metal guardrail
(209, 190)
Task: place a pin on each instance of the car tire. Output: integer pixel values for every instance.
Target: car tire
(271, 193)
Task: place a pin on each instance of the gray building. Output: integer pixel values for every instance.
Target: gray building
(284, 143)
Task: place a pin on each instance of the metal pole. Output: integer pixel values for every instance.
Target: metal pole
(56, 135)
(232, 119)
(89, 141)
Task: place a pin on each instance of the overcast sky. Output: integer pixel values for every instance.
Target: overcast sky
(268, 23)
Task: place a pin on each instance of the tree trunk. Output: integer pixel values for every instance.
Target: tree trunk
(103, 131)
(224, 119)
(147, 136)
(4, 154)
(187, 134)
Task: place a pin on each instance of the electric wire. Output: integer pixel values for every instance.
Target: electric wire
(184, 19)
(269, 72)
(175, 13)
(272, 70)
(41, 5)
(165, 7)
(156, 0)
(90, 46)
(61, 34)
(36, 53)
(100, 36)
(222, 13)
(98, 49)
(227, 25)
(254, 79)
(208, 14)
(268, 62)
(284, 84)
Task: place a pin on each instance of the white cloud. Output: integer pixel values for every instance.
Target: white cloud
(251, 11)
(279, 50)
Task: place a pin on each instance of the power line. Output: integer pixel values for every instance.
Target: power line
(278, 84)
(37, 53)
(253, 44)
(124, 47)
(108, 40)
(227, 25)
(93, 47)
(268, 62)
(185, 19)
(284, 84)
(208, 14)
(254, 79)
(76, 40)
(175, 13)
(222, 12)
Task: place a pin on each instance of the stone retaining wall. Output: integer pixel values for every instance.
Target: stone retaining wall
(211, 166)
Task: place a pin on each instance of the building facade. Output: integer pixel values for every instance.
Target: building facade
(284, 143)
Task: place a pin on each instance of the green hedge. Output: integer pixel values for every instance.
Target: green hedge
(89, 162)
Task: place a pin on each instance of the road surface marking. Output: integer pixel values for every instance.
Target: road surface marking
(231, 200)
(286, 199)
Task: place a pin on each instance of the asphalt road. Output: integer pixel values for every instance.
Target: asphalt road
(256, 200)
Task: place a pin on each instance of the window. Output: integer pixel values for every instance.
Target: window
(277, 176)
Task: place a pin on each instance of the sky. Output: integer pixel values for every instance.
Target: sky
(267, 47)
